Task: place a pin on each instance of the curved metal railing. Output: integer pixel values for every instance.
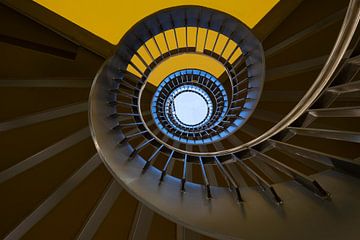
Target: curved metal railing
(155, 170)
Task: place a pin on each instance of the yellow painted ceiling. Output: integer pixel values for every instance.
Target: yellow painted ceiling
(110, 19)
(197, 61)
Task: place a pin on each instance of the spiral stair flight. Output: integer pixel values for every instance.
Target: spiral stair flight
(93, 146)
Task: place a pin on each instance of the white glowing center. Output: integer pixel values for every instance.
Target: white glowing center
(190, 108)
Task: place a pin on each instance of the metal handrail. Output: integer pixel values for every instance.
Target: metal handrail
(345, 36)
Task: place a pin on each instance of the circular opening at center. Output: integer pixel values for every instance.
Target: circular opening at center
(190, 108)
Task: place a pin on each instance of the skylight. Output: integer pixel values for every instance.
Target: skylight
(190, 108)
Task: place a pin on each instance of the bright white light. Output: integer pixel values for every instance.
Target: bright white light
(190, 108)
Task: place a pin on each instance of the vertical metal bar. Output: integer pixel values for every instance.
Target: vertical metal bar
(216, 40)
(119, 114)
(141, 146)
(218, 164)
(174, 30)
(132, 136)
(122, 114)
(240, 72)
(231, 54)
(138, 56)
(206, 181)
(183, 179)
(154, 40)
(142, 60)
(164, 35)
(298, 176)
(223, 50)
(128, 85)
(116, 103)
(137, 69)
(148, 162)
(207, 32)
(197, 30)
(163, 173)
(229, 179)
(261, 182)
(149, 53)
(166, 42)
(125, 94)
(240, 60)
(241, 81)
(186, 32)
(206, 36)
(217, 37)
(196, 37)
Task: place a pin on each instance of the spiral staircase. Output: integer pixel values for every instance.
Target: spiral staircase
(94, 147)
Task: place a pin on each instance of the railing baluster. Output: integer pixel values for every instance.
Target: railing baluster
(138, 70)
(119, 114)
(164, 35)
(183, 179)
(186, 33)
(164, 171)
(116, 103)
(128, 137)
(239, 61)
(261, 182)
(127, 125)
(149, 53)
(141, 146)
(174, 31)
(128, 85)
(205, 178)
(152, 157)
(216, 40)
(206, 34)
(240, 82)
(229, 179)
(298, 176)
(231, 54)
(142, 60)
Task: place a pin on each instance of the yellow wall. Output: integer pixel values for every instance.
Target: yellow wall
(110, 19)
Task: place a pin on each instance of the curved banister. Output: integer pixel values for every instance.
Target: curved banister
(342, 43)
